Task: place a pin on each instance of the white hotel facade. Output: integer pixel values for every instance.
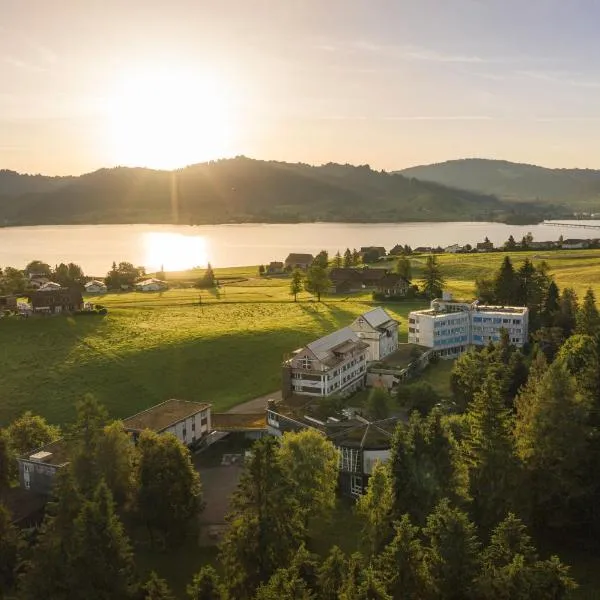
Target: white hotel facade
(450, 327)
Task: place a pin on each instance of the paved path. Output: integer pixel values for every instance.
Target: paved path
(257, 405)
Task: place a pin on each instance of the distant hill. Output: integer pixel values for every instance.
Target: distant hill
(243, 190)
(576, 189)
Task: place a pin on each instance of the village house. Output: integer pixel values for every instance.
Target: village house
(392, 286)
(298, 261)
(450, 327)
(275, 268)
(372, 252)
(95, 287)
(38, 468)
(453, 249)
(485, 246)
(377, 328)
(151, 285)
(334, 364)
(36, 282)
(423, 250)
(189, 422)
(50, 286)
(62, 300)
(345, 280)
(573, 244)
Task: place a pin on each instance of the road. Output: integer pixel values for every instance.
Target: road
(256, 405)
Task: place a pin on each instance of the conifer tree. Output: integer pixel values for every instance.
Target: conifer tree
(588, 320)
(348, 261)
(551, 307)
(206, 585)
(489, 453)
(101, 561)
(7, 463)
(337, 260)
(567, 313)
(505, 283)
(10, 546)
(284, 584)
(332, 573)
(157, 589)
(370, 588)
(356, 259)
(353, 577)
(433, 280)
(400, 564)
(375, 508)
(266, 526)
(169, 492)
(451, 553)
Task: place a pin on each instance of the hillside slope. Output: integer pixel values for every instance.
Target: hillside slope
(577, 189)
(246, 190)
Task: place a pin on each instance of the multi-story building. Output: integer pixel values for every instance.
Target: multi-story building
(450, 326)
(334, 364)
(379, 330)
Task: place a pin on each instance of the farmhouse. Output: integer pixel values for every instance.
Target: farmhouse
(275, 268)
(392, 285)
(298, 261)
(62, 300)
(451, 326)
(485, 246)
(377, 329)
(151, 285)
(188, 421)
(453, 249)
(95, 287)
(573, 244)
(334, 364)
(344, 280)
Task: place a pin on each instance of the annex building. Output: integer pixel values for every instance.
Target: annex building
(451, 326)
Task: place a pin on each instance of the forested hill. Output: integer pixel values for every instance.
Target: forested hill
(577, 189)
(239, 190)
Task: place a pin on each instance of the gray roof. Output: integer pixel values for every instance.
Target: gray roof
(322, 347)
(376, 317)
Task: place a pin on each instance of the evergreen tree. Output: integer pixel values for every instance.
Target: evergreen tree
(567, 314)
(425, 467)
(489, 453)
(206, 585)
(510, 244)
(468, 373)
(400, 565)
(356, 259)
(101, 561)
(261, 270)
(7, 463)
(378, 404)
(353, 578)
(348, 260)
(337, 260)
(284, 584)
(115, 457)
(317, 280)
(310, 461)
(296, 283)
(29, 432)
(321, 260)
(83, 438)
(551, 436)
(332, 573)
(10, 546)
(208, 279)
(375, 508)
(403, 268)
(551, 308)
(433, 280)
(452, 552)
(371, 588)
(506, 283)
(157, 589)
(169, 492)
(588, 320)
(266, 527)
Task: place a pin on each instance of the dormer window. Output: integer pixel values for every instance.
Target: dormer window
(305, 362)
(361, 321)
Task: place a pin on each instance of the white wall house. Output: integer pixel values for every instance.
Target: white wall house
(450, 327)
(334, 364)
(379, 330)
(188, 421)
(95, 287)
(151, 285)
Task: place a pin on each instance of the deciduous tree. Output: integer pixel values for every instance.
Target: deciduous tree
(404, 268)
(378, 404)
(321, 259)
(29, 432)
(296, 283)
(317, 281)
(157, 589)
(206, 585)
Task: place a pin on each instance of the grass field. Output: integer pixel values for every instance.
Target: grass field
(224, 346)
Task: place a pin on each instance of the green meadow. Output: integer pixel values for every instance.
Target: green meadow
(223, 346)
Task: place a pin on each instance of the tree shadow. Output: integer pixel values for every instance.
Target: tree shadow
(313, 310)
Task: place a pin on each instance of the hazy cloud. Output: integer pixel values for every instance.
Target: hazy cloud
(560, 77)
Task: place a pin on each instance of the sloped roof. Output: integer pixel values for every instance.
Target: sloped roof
(322, 347)
(163, 415)
(299, 258)
(343, 274)
(95, 282)
(393, 279)
(376, 317)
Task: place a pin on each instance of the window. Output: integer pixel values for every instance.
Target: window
(305, 362)
(193, 425)
(356, 488)
(349, 459)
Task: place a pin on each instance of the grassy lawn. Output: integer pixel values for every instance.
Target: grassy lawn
(438, 376)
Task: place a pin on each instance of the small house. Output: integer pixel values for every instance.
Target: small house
(485, 246)
(62, 300)
(151, 285)
(275, 268)
(345, 280)
(95, 287)
(574, 244)
(188, 421)
(379, 330)
(36, 282)
(423, 250)
(298, 261)
(453, 248)
(38, 467)
(392, 285)
(50, 286)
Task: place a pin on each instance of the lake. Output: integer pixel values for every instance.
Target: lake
(178, 247)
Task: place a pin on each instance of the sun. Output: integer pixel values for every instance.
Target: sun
(166, 118)
(174, 251)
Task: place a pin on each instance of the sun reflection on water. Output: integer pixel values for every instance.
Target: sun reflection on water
(174, 251)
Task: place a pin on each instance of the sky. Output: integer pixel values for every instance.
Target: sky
(390, 83)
